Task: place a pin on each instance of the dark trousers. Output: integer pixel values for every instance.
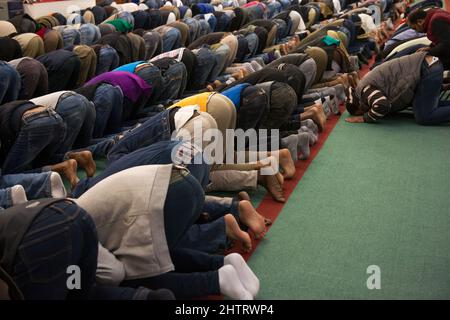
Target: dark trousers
(63, 234)
(60, 236)
(428, 110)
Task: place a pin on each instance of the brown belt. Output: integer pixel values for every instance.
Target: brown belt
(32, 111)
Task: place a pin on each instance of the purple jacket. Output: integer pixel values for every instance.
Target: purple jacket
(133, 86)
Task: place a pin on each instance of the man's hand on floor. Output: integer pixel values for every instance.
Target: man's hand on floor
(358, 119)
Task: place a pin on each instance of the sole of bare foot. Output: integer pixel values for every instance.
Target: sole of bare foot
(286, 164)
(234, 232)
(68, 169)
(243, 195)
(84, 160)
(252, 219)
(273, 187)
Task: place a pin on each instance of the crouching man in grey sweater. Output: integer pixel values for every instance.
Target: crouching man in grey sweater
(414, 80)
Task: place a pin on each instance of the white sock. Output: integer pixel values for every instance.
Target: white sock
(231, 285)
(256, 65)
(290, 142)
(57, 186)
(18, 195)
(303, 145)
(246, 275)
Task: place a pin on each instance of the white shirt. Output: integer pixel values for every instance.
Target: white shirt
(49, 100)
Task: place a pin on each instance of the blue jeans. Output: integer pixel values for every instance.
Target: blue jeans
(171, 40)
(153, 44)
(211, 237)
(156, 153)
(285, 4)
(220, 56)
(10, 83)
(212, 21)
(78, 114)
(205, 64)
(90, 34)
(63, 234)
(39, 138)
(36, 185)
(153, 77)
(5, 199)
(274, 8)
(155, 129)
(174, 82)
(426, 105)
(108, 102)
(71, 37)
(253, 44)
(204, 28)
(107, 60)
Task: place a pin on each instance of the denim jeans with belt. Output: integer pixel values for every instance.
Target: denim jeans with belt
(40, 136)
(10, 83)
(428, 110)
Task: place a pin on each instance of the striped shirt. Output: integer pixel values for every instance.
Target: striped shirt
(378, 104)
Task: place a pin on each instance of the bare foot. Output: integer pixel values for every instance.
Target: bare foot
(252, 219)
(286, 163)
(319, 117)
(234, 232)
(243, 195)
(84, 160)
(68, 168)
(280, 178)
(239, 75)
(284, 49)
(272, 185)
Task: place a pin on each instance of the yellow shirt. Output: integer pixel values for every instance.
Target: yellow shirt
(200, 99)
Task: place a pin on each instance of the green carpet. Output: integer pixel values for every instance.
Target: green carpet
(375, 195)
